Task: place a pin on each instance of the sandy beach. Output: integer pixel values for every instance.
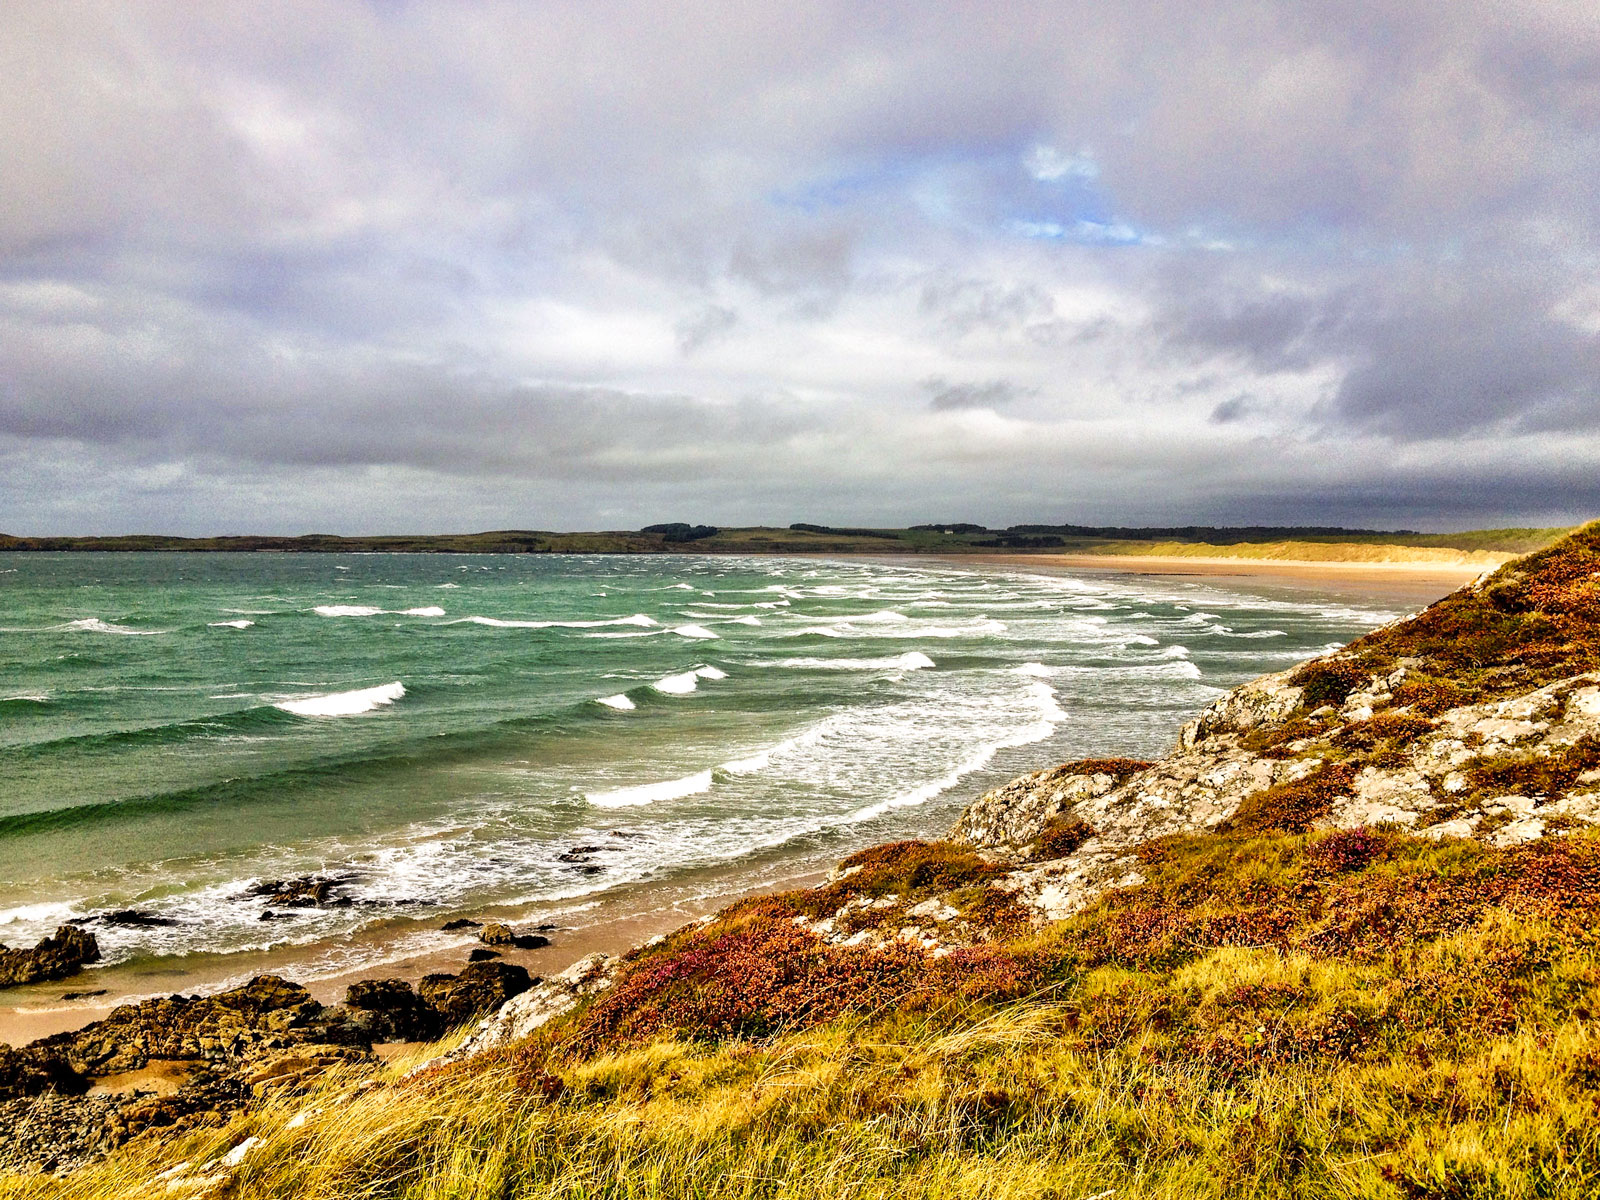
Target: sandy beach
(1387, 581)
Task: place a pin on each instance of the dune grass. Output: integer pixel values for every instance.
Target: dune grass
(1269, 1015)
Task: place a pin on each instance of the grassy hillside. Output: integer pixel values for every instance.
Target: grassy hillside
(1268, 1015)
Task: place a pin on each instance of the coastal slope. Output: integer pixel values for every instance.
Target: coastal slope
(1342, 941)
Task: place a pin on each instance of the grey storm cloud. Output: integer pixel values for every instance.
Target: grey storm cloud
(431, 265)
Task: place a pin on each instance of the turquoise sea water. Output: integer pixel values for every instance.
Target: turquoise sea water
(445, 730)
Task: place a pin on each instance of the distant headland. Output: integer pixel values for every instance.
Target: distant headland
(1322, 544)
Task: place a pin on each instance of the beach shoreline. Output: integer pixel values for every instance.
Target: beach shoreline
(623, 921)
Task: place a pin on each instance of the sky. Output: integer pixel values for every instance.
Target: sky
(443, 265)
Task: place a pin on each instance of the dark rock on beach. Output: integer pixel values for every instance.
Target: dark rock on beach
(127, 918)
(307, 891)
(460, 923)
(389, 1010)
(503, 935)
(480, 988)
(482, 955)
(55, 957)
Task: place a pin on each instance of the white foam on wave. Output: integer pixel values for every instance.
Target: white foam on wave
(49, 912)
(912, 660)
(1050, 714)
(26, 698)
(427, 610)
(649, 793)
(678, 685)
(695, 632)
(620, 702)
(346, 610)
(449, 585)
(1037, 670)
(241, 624)
(711, 673)
(759, 761)
(96, 625)
(501, 623)
(344, 704)
(1175, 651)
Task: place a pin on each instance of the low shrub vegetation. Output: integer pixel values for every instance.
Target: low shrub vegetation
(1267, 1015)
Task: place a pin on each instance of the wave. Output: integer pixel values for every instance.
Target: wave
(974, 628)
(364, 610)
(913, 660)
(344, 704)
(620, 702)
(649, 793)
(47, 912)
(758, 761)
(499, 623)
(96, 625)
(1050, 714)
(26, 698)
(240, 624)
(696, 632)
(687, 681)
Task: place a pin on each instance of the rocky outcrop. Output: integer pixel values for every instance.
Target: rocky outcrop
(536, 1007)
(497, 934)
(56, 957)
(480, 988)
(388, 1010)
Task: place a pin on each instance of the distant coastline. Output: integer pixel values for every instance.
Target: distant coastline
(1479, 549)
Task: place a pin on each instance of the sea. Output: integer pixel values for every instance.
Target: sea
(535, 735)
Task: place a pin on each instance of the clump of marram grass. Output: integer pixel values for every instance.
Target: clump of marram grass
(1359, 1013)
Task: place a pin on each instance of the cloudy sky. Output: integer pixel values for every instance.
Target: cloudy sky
(448, 264)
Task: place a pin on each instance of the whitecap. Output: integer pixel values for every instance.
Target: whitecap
(619, 702)
(449, 585)
(49, 912)
(346, 610)
(913, 660)
(499, 623)
(431, 610)
(711, 673)
(1050, 713)
(748, 766)
(678, 685)
(96, 625)
(649, 793)
(698, 632)
(344, 704)
(230, 624)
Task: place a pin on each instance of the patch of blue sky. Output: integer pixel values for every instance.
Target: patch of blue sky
(1086, 232)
